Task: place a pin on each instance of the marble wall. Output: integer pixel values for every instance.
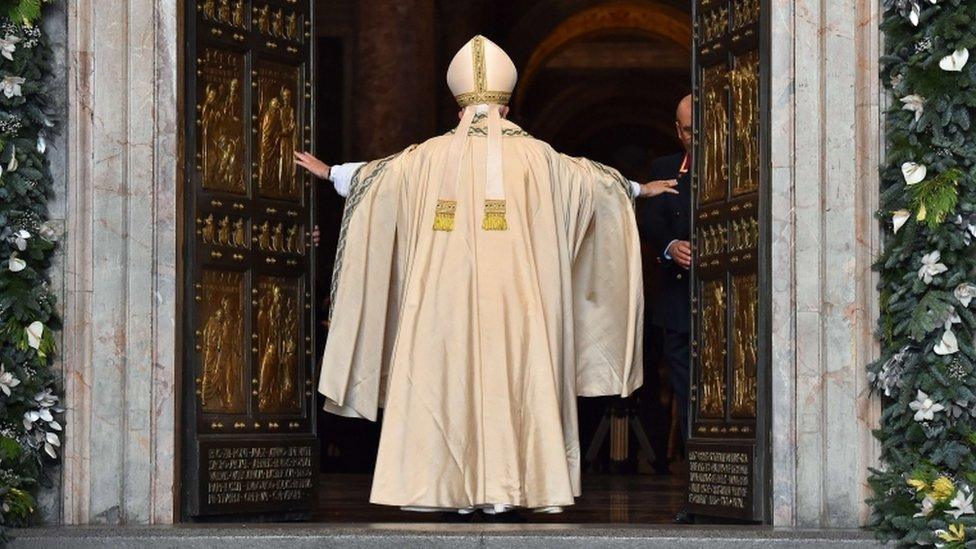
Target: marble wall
(825, 150)
(118, 203)
(119, 266)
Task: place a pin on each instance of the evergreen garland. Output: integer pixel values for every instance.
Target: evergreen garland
(30, 431)
(923, 491)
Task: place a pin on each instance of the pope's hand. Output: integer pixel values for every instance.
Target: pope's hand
(655, 188)
(315, 166)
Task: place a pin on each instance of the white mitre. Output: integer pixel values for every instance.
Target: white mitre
(481, 73)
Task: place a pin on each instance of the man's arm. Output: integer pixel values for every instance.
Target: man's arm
(340, 174)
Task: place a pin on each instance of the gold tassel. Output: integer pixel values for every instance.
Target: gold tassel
(444, 215)
(494, 216)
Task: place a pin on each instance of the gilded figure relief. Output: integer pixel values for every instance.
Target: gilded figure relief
(279, 336)
(711, 240)
(745, 234)
(279, 238)
(745, 117)
(745, 12)
(220, 122)
(745, 295)
(715, 127)
(223, 231)
(221, 342)
(712, 350)
(714, 24)
(278, 135)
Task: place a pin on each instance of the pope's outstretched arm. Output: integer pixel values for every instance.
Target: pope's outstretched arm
(340, 174)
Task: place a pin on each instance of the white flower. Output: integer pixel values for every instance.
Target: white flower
(913, 172)
(927, 504)
(46, 399)
(41, 144)
(949, 344)
(33, 416)
(47, 232)
(962, 504)
(914, 103)
(924, 408)
(16, 264)
(915, 13)
(899, 217)
(10, 86)
(956, 61)
(8, 45)
(7, 381)
(51, 441)
(965, 293)
(931, 267)
(951, 318)
(20, 239)
(34, 334)
(12, 165)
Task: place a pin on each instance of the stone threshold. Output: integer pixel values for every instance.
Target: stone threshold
(435, 536)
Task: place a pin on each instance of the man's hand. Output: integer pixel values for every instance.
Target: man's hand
(655, 188)
(316, 236)
(315, 166)
(680, 252)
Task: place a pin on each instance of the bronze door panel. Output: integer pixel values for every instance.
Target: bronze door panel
(222, 343)
(730, 364)
(249, 439)
(279, 130)
(220, 122)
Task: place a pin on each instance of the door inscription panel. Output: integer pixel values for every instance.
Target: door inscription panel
(728, 446)
(249, 420)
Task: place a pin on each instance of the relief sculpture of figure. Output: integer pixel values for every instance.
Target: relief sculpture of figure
(713, 364)
(288, 144)
(240, 14)
(270, 336)
(269, 147)
(230, 173)
(289, 355)
(217, 387)
(210, 116)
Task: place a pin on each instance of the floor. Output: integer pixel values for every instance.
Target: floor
(606, 499)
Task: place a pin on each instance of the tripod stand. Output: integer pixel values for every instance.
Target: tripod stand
(620, 408)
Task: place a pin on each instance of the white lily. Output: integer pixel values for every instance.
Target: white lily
(952, 318)
(925, 409)
(965, 293)
(20, 239)
(47, 232)
(962, 504)
(927, 505)
(914, 15)
(913, 172)
(16, 264)
(955, 61)
(899, 218)
(914, 103)
(931, 267)
(7, 381)
(41, 144)
(51, 441)
(949, 345)
(8, 45)
(10, 86)
(12, 165)
(35, 332)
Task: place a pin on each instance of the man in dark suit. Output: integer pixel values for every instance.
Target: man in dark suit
(666, 223)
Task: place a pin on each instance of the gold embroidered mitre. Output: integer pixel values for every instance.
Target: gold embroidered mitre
(481, 73)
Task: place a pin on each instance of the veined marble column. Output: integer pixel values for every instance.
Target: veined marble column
(119, 261)
(825, 149)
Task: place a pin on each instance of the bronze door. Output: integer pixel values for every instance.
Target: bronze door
(728, 447)
(249, 444)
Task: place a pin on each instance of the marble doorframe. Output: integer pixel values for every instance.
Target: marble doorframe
(118, 200)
